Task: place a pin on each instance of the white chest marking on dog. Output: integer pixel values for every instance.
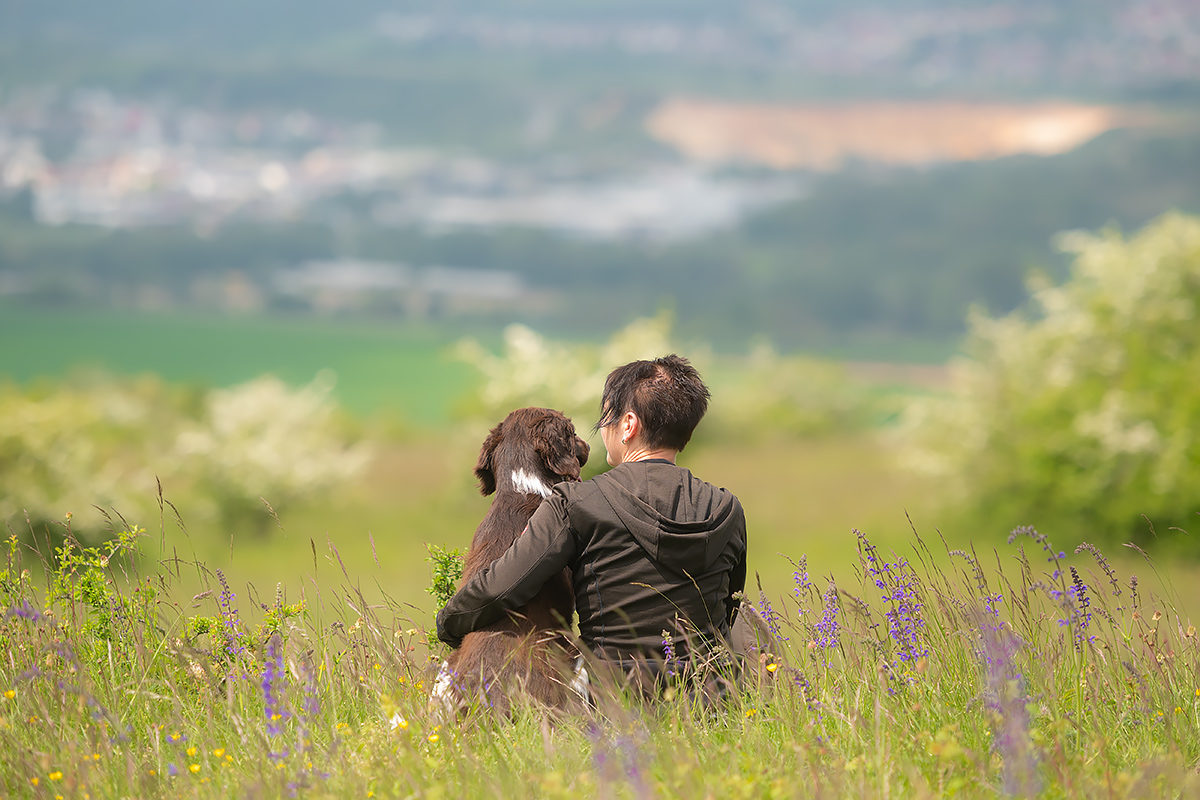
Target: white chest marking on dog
(529, 484)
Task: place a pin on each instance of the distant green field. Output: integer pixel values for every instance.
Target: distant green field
(390, 369)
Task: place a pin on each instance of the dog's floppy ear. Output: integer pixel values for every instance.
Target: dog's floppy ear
(555, 442)
(483, 469)
(582, 451)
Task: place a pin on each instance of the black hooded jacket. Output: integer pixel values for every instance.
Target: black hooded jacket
(651, 548)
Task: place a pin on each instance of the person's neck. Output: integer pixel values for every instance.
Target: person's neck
(646, 454)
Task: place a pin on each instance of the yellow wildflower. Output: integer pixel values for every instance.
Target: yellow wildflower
(220, 751)
(191, 751)
(10, 694)
(194, 768)
(55, 776)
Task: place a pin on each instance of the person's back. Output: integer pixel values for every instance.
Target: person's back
(659, 551)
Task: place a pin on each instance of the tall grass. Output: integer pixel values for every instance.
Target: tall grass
(1006, 672)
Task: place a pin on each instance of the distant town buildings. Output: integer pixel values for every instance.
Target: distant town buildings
(350, 285)
(136, 164)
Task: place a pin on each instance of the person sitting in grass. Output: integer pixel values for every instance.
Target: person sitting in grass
(658, 556)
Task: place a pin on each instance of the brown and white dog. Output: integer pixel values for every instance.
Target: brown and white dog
(526, 651)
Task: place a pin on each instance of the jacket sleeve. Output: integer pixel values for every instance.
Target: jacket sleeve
(737, 579)
(540, 552)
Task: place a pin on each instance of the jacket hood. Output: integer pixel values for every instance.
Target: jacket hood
(678, 519)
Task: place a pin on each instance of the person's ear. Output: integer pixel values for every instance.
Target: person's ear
(631, 426)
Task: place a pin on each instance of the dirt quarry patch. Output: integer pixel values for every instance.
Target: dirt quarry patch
(825, 136)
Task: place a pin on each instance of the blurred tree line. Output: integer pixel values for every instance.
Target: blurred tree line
(866, 253)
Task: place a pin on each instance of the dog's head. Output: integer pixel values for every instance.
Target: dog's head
(530, 451)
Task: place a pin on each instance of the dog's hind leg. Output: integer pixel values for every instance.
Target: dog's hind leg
(446, 702)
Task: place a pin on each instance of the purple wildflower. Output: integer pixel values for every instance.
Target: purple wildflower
(827, 628)
(800, 578)
(233, 639)
(898, 586)
(991, 603)
(807, 694)
(770, 616)
(619, 758)
(24, 611)
(1053, 557)
(668, 643)
(29, 674)
(312, 701)
(273, 683)
(1006, 697)
(1081, 608)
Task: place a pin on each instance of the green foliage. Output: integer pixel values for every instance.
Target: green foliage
(446, 567)
(263, 440)
(63, 449)
(1084, 413)
(768, 396)
(106, 442)
(764, 394)
(84, 596)
(536, 371)
(275, 618)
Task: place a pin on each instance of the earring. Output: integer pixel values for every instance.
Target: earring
(624, 441)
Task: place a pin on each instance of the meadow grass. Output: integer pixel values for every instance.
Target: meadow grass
(923, 676)
(800, 497)
(294, 658)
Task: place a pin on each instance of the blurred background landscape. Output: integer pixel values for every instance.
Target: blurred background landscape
(276, 251)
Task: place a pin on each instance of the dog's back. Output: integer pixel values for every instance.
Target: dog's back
(526, 650)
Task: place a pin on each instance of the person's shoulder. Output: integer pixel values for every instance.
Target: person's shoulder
(571, 492)
(712, 487)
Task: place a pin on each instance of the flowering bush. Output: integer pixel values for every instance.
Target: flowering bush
(105, 443)
(534, 371)
(78, 446)
(264, 441)
(1084, 413)
(763, 394)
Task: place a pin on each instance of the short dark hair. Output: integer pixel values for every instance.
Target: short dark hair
(666, 394)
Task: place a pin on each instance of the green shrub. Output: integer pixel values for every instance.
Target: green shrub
(99, 442)
(1083, 412)
(763, 394)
